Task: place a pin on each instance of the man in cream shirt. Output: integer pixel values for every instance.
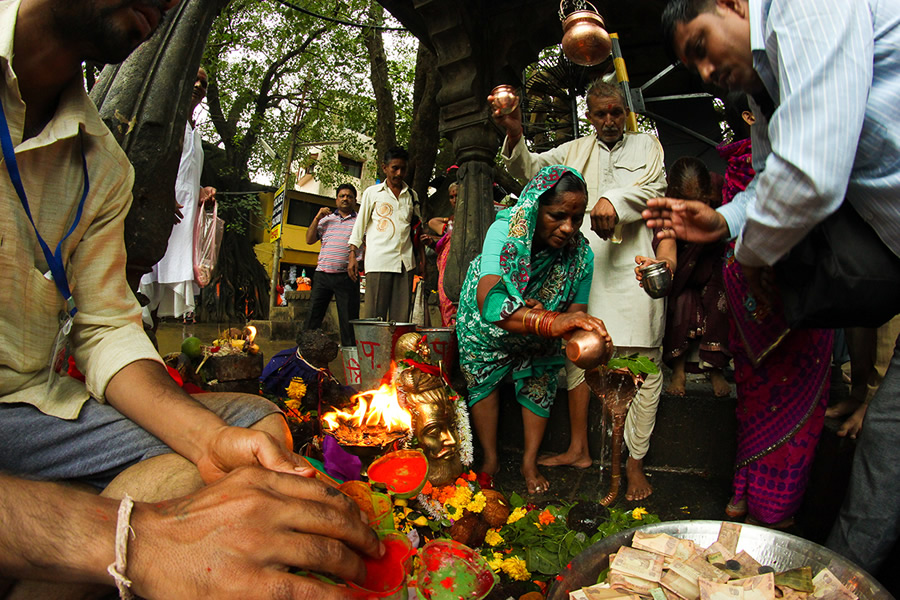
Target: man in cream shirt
(386, 214)
(622, 171)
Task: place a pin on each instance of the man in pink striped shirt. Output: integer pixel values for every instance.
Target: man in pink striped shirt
(332, 277)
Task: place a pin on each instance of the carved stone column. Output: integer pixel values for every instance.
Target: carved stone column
(145, 101)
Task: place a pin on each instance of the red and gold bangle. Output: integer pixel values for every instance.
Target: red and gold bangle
(525, 316)
(533, 317)
(546, 322)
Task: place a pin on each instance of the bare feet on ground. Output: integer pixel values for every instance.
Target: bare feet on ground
(638, 485)
(842, 408)
(676, 385)
(490, 467)
(534, 481)
(721, 387)
(570, 458)
(852, 426)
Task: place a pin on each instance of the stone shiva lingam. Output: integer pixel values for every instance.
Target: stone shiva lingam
(423, 391)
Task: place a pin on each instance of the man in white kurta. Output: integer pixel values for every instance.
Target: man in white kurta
(170, 285)
(622, 170)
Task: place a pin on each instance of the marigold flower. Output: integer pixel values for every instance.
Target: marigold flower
(471, 476)
(546, 517)
(495, 562)
(478, 503)
(516, 568)
(461, 482)
(292, 404)
(427, 488)
(493, 537)
(639, 513)
(516, 514)
(296, 389)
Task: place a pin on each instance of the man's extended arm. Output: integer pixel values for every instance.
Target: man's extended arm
(178, 549)
(824, 70)
(312, 232)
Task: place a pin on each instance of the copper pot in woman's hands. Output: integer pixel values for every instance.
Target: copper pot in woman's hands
(588, 349)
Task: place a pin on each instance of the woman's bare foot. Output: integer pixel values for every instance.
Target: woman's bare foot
(490, 467)
(638, 485)
(721, 387)
(676, 385)
(569, 458)
(852, 426)
(842, 408)
(534, 481)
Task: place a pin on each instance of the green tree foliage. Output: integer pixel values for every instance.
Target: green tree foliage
(278, 74)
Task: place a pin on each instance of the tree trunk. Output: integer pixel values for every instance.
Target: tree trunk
(386, 131)
(424, 135)
(144, 101)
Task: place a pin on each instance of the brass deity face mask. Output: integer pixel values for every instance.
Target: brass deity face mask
(434, 420)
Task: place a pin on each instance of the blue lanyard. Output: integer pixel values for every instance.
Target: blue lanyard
(57, 269)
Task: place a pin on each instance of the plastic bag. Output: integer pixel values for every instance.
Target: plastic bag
(208, 231)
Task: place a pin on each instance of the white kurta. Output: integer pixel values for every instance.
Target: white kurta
(170, 285)
(628, 175)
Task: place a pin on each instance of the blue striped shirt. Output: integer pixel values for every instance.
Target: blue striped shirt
(334, 231)
(832, 68)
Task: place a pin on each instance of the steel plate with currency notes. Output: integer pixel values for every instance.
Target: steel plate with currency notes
(769, 547)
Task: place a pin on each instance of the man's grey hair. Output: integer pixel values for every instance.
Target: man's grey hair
(605, 89)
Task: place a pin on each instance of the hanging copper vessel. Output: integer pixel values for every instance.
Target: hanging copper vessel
(585, 41)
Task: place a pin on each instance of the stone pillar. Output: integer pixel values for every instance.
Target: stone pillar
(475, 147)
(144, 101)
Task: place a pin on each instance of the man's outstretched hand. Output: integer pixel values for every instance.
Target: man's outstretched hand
(689, 220)
(238, 538)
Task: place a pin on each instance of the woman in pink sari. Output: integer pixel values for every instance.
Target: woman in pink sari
(782, 378)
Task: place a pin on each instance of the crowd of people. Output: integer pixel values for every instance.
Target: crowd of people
(172, 467)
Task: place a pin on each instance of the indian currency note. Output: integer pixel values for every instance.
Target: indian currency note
(670, 595)
(602, 591)
(683, 588)
(638, 563)
(685, 549)
(660, 543)
(760, 587)
(711, 590)
(829, 587)
(729, 533)
(577, 595)
(797, 579)
(742, 565)
(696, 567)
(721, 550)
(621, 581)
(791, 594)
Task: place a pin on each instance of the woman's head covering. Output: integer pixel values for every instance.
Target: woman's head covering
(516, 262)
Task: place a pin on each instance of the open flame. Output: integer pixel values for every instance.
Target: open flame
(249, 334)
(376, 411)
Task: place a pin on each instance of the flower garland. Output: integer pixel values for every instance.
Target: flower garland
(463, 429)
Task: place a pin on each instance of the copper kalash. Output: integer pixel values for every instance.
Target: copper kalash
(422, 391)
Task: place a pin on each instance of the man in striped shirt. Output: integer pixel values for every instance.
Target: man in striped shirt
(332, 277)
(825, 76)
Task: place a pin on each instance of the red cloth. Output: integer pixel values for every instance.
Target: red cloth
(189, 387)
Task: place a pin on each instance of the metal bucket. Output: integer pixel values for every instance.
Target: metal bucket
(442, 341)
(350, 358)
(375, 341)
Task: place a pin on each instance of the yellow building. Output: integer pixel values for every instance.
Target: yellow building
(300, 208)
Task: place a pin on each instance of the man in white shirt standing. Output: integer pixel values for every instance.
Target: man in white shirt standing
(386, 214)
(170, 285)
(622, 171)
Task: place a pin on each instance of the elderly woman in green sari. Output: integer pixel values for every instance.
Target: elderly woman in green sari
(526, 291)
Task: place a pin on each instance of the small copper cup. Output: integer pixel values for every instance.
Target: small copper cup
(587, 349)
(505, 99)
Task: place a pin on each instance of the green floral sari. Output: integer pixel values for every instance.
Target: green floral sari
(487, 352)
